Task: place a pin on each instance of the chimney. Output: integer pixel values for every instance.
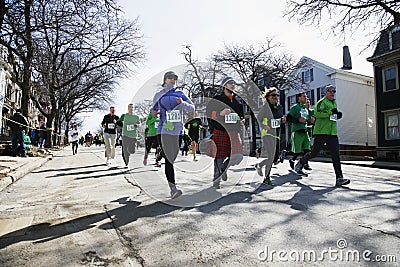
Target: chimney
(346, 59)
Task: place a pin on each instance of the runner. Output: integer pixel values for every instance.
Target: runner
(151, 139)
(109, 127)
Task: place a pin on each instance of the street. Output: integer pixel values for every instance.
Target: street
(76, 211)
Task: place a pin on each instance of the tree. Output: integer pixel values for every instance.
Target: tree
(346, 15)
(142, 109)
(78, 44)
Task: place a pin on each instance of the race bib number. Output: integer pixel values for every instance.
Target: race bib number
(156, 124)
(231, 118)
(333, 117)
(174, 116)
(275, 123)
(111, 126)
(130, 127)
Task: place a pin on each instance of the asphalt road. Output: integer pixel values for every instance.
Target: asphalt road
(76, 211)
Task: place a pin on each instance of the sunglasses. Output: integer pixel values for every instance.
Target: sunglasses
(172, 77)
(273, 95)
(332, 91)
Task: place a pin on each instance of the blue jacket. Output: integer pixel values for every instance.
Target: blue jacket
(165, 101)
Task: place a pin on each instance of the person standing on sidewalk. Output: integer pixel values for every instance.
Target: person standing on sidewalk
(226, 118)
(18, 125)
(74, 138)
(151, 139)
(270, 119)
(129, 123)
(109, 128)
(299, 117)
(325, 132)
(170, 103)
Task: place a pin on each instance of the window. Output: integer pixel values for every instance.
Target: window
(390, 78)
(307, 76)
(392, 125)
(320, 92)
(291, 101)
(310, 95)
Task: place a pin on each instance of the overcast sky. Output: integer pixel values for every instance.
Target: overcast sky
(207, 25)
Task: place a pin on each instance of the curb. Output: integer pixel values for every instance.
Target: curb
(22, 171)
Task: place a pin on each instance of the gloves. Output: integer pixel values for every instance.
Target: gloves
(339, 115)
(334, 111)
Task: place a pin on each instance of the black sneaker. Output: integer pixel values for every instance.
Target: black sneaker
(291, 163)
(302, 173)
(216, 185)
(267, 181)
(307, 167)
(342, 181)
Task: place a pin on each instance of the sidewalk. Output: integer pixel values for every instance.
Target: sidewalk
(14, 168)
(390, 165)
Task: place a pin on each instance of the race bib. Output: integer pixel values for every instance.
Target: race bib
(130, 127)
(156, 124)
(111, 126)
(333, 117)
(275, 123)
(231, 118)
(174, 116)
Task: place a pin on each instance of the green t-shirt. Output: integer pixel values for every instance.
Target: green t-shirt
(297, 111)
(130, 124)
(152, 123)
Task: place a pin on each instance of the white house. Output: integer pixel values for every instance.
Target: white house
(355, 97)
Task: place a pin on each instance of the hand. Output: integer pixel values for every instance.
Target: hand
(266, 127)
(339, 115)
(301, 119)
(312, 119)
(154, 113)
(179, 100)
(283, 119)
(334, 111)
(243, 121)
(225, 111)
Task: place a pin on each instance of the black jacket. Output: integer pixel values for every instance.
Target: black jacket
(20, 119)
(216, 105)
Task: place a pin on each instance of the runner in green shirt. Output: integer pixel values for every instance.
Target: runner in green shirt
(129, 123)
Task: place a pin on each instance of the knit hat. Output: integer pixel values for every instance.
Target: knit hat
(169, 74)
(227, 80)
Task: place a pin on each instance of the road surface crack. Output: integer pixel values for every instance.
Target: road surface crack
(125, 240)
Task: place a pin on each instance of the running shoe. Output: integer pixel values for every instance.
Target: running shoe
(175, 192)
(307, 167)
(267, 181)
(342, 181)
(145, 162)
(291, 163)
(259, 170)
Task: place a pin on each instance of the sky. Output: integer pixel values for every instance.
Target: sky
(168, 25)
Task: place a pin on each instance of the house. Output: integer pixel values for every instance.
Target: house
(386, 63)
(355, 98)
(10, 97)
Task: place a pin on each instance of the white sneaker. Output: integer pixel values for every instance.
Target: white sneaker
(108, 162)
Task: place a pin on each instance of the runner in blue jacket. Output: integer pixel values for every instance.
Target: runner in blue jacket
(169, 103)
